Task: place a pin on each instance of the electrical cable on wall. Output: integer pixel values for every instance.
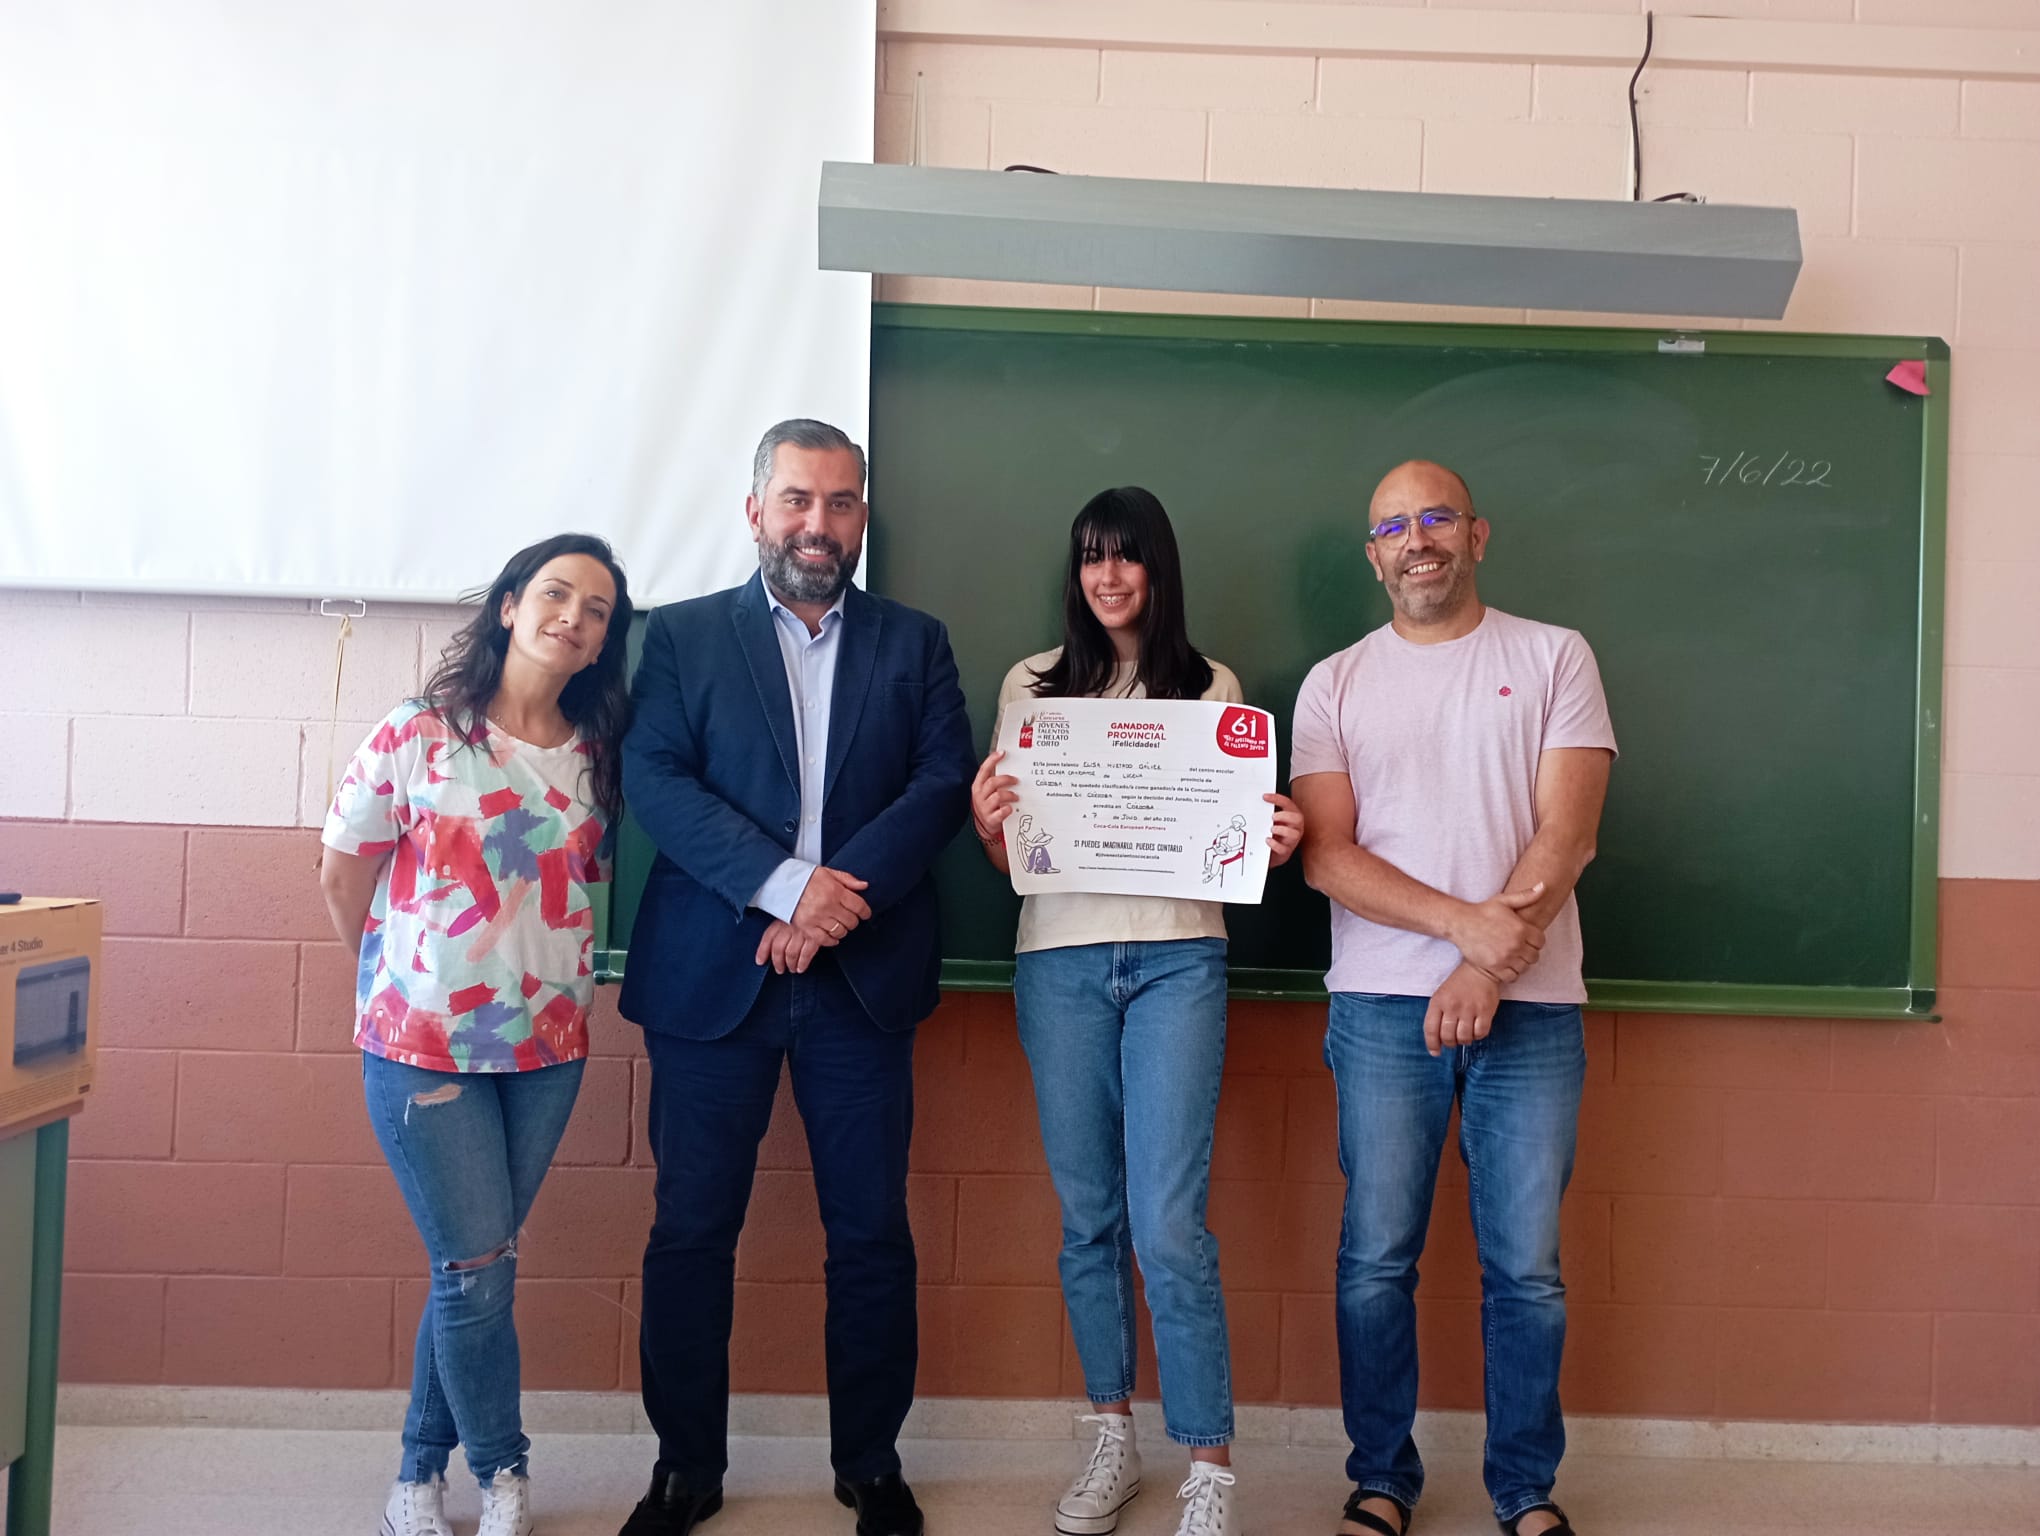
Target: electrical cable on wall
(1635, 126)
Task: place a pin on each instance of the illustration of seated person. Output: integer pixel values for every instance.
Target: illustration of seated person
(1229, 847)
(1033, 848)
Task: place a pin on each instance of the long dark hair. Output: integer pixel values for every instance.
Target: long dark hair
(596, 699)
(1130, 523)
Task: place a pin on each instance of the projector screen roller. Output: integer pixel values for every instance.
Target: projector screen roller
(352, 301)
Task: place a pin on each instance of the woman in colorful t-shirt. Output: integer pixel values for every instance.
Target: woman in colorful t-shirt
(461, 850)
(1121, 1002)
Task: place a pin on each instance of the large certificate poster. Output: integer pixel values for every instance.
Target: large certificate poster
(1140, 797)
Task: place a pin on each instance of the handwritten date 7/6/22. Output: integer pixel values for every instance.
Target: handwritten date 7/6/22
(1761, 469)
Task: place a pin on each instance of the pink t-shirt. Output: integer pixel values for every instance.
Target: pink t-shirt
(1442, 743)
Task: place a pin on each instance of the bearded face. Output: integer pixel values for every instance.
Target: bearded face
(1428, 582)
(809, 522)
(807, 567)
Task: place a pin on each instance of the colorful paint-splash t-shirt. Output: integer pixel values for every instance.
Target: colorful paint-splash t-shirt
(476, 956)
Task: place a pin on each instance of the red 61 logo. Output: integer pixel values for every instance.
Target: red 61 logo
(1244, 732)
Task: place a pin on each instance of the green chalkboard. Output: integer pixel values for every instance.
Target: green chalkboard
(1747, 528)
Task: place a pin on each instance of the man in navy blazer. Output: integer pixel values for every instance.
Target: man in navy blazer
(800, 756)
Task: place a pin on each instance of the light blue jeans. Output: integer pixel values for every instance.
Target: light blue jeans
(469, 1150)
(1519, 1101)
(1127, 1042)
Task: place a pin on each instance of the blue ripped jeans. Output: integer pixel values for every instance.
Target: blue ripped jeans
(469, 1150)
(1519, 1102)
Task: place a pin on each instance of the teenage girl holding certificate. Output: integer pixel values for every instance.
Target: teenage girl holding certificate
(1121, 1002)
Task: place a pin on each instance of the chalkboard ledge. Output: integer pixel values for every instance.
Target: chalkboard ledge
(1604, 996)
(1749, 1001)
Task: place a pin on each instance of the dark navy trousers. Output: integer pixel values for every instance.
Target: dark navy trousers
(711, 1101)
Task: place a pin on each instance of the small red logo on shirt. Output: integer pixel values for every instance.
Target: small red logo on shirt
(1505, 692)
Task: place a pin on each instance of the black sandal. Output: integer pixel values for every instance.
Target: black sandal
(1374, 1522)
(1563, 1528)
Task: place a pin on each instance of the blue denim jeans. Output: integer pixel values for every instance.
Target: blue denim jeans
(1127, 1042)
(469, 1150)
(1519, 1100)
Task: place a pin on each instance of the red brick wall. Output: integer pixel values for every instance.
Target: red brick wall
(1771, 1218)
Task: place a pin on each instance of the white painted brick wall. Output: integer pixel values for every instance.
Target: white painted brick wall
(1993, 621)
(992, 73)
(1997, 406)
(1892, 104)
(1760, 10)
(221, 773)
(1884, 286)
(1993, 720)
(965, 290)
(1434, 90)
(1947, 189)
(192, 711)
(1991, 497)
(1158, 301)
(65, 660)
(281, 667)
(1990, 825)
(1525, 159)
(1941, 13)
(35, 765)
(2001, 109)
(1266, 149)
(2000, 295)
(1267, 84)
(1414, 314)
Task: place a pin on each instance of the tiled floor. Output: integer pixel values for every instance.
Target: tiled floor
(227, 1482)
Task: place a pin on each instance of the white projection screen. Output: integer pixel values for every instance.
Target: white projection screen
(353, 299)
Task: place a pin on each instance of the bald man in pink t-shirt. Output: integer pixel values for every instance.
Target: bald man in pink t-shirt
(1451, 767)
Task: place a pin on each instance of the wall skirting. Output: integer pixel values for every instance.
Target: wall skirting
(1034, 1419)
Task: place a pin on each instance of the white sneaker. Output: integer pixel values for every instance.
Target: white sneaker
(1108, 1482)
(506, 1506)
(1209, 1510)
(416, 1509)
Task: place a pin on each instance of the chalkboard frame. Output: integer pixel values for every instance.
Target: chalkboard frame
(1916, 998)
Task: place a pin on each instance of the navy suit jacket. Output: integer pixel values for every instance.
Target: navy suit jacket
(711, 772)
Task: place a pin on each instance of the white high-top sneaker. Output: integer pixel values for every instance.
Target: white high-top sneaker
(416, 1509)
(1108, 1482)
(1208, 1510)
(506, 1506)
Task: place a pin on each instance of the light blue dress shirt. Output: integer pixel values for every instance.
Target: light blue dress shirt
(810, 683)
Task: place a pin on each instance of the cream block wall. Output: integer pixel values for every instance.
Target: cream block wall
(194, 712)
(1918, 188)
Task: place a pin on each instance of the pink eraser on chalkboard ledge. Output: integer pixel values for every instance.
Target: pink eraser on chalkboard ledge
(1910, 377)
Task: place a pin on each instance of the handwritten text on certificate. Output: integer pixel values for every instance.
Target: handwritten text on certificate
(1139, 797)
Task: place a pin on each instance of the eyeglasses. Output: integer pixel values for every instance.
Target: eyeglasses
(1434, 519)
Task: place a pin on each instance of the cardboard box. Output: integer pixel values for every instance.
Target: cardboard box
(49, 1007)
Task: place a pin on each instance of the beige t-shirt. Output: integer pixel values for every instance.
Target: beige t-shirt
(1060, 920)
